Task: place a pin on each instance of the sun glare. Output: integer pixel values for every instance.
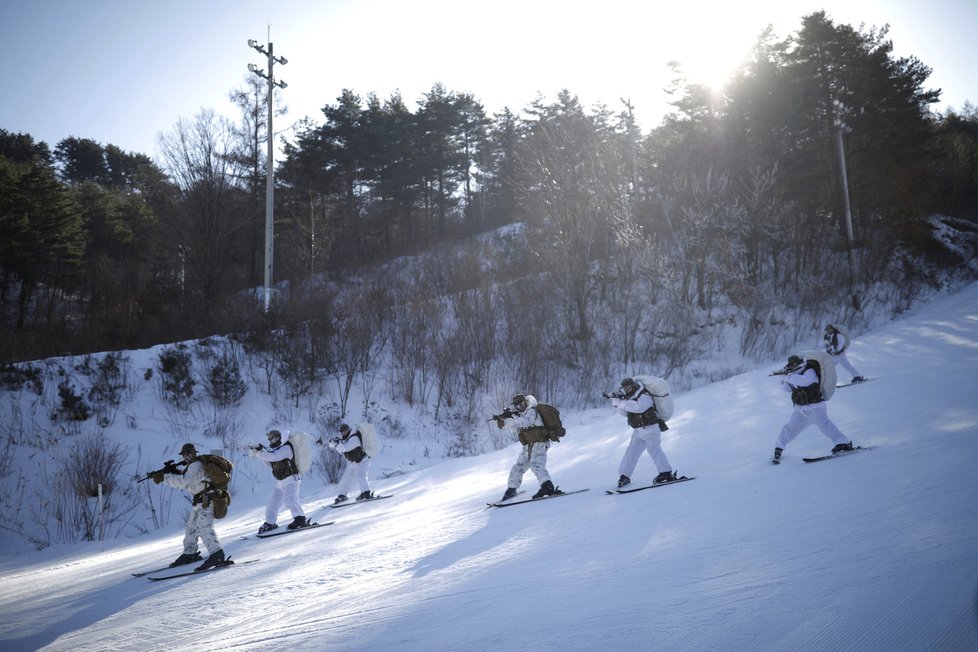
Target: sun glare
(715, 56)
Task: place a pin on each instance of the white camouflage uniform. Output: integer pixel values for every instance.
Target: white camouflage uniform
(286, 490)
(645, 439)
(355, 472)
(532, 457)
(200, 523)
(806, 415)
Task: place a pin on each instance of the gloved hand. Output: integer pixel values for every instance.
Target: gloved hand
(500, 424)
(615, 402)
(254, 450)
(332, 443)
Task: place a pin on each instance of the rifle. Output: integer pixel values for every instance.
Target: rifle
(619, 395)
(505, 414)
(169, 466)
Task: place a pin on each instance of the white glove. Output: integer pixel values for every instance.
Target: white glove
(615, 402)
(253, 452)
(332, 444)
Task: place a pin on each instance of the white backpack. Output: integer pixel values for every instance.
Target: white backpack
(368, 438)
(302, 450)
(659, 389)
(827, 376)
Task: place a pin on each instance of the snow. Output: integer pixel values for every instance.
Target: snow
(873, 551)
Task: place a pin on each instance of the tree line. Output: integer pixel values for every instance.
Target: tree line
(610, 245)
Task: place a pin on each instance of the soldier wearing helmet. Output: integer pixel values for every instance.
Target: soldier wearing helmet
(527, 423)
(636, 403)
(200, 522)
(801, 379)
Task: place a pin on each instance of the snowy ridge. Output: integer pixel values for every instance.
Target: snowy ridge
(874, 552)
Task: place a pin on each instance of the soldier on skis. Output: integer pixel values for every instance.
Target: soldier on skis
(350, 445)
(281, 457)
(802, 381)
(527, 423)
(200, 523)
(837, 349)
(636, 403)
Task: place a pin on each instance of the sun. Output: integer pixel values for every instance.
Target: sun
(714, 57)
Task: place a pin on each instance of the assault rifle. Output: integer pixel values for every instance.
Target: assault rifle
(168, 467)
(620, 395)
(505, 414)
(784, 371)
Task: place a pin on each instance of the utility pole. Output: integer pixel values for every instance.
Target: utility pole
(270, 163)
(844, 178)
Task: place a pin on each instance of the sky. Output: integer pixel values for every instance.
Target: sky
(123, 72)
(874, 551)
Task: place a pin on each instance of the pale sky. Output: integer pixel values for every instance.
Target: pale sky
(123, 71)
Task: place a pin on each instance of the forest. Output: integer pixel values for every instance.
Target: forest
(558, 241)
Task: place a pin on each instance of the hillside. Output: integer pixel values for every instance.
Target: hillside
(874, 551)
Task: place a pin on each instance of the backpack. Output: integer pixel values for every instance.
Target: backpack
(301, 443)
(368, 439)
(659, 389)
(825, 367)
(218, 470)
(551, 421)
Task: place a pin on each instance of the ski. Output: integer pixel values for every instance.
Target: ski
(864, 380)
(167, 567)
(834, 455)
(348, 503)
(284, 530)
(534, 500)
(225, 564)
(625, 490)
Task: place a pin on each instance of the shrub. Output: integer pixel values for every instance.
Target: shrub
(176, 381)
(73, 407)
(226, 386)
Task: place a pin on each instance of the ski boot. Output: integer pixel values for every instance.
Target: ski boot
(186, 558)
(297, 522)
(841, 448)
(510, 493)
(665, 476)
(547, 489)
(340, 499)
(216, 558)
(777, 454)
(624, 481)
(266, 527)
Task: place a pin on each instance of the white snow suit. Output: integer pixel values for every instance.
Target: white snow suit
(838, 351)
(286, 489)
(200, 523)
(533, 456)
(806, 415)
(647, 438)
(355, 472)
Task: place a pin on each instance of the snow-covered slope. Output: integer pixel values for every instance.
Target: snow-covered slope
(874, 551)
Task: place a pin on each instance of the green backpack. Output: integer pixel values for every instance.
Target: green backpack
(218, 471)
(551, 421)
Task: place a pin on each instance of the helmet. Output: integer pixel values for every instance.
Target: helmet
(189, 449)
(794, 363)
(518, 400)
(628, 385)
(829, 328)
(274, 437)
(344, 429)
